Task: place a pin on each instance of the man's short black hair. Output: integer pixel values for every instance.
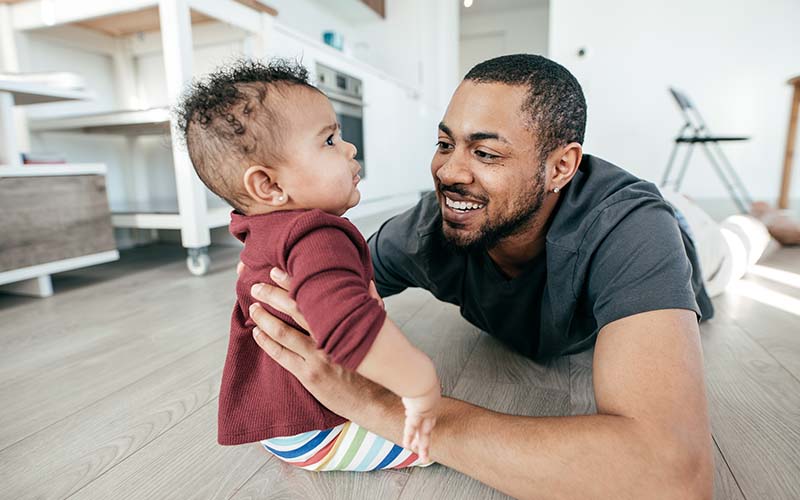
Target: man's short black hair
(234, 118)
(555, 104)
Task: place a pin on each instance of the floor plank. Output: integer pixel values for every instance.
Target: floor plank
(440, 331)
(405, 305)
(581, 389)
(725, 487)
(185, 463)
(108, 389)
(437, 481)
(78, 449)
(492, 361)
(279, 480)
(754, 406)
(111, 335)
(775, 330)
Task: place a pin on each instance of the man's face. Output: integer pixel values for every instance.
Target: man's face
(489, 178)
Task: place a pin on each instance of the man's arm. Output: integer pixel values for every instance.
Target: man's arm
(650, 438)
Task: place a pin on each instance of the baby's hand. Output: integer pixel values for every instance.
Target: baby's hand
(420, 419)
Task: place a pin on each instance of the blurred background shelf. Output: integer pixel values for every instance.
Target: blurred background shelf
(55, 219)
(153, 121)
(26, 93)
(162, 216)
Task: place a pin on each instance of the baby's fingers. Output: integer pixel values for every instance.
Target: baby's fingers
(424, 439)
(410, 431)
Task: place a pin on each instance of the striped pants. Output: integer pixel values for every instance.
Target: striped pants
(346, 447)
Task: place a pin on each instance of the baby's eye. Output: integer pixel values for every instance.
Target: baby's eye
(329, 140)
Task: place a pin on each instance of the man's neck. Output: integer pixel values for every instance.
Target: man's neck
(512, 255)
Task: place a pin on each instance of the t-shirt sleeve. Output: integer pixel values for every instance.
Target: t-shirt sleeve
(329, 286)
(639, 265)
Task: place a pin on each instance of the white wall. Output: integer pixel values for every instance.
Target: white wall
(733, 58)
(490, 34)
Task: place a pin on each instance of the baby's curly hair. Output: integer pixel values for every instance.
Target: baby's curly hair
(234, 118)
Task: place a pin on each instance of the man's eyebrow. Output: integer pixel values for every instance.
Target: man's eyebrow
(475, 136)
(333, 127)
(480, 136)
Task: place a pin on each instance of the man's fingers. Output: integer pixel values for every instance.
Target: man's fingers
(280, 277)
(280, 354)
(280, 332)
(373, 292)
(280, 300)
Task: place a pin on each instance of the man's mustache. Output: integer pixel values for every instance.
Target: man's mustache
(456, 189)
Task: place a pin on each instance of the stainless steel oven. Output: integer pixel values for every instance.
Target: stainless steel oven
(346, 94)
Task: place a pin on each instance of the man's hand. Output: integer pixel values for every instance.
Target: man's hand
(340, 390)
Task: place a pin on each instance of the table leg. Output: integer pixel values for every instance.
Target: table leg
(786, 179)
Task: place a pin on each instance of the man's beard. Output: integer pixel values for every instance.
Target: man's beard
(491, 233)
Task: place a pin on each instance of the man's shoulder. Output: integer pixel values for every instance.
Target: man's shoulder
(600, 195)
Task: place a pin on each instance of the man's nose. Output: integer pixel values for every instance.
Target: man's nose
(455, 170)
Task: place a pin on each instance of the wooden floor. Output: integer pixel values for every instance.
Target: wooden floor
(108, 390)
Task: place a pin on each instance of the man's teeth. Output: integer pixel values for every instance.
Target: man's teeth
(462, 205)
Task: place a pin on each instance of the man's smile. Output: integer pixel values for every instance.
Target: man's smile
(459, 210)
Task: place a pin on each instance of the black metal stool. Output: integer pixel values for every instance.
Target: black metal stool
(695, 131)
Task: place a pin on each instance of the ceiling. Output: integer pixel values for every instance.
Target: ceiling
(484, 6)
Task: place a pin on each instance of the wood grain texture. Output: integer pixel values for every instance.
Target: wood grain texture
(493, 362)
(276, 480)
(725, 487)
(438, 482)
(115, 394)
(440, 331)
(753, 306)
(46, 219)
(404, 306)
(81, 447)
(754, 406)
(185, 463)
(107, 343)
(581, 389)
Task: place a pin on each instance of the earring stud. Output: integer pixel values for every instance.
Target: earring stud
(280, 198)
(556, 189)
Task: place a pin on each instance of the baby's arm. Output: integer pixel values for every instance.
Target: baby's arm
(328, 273)
(408, 372)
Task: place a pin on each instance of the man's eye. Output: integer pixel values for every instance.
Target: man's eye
(444, 146)
(329, 140)
(485, 155)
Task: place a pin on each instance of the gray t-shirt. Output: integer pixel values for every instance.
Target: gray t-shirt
(614, 249)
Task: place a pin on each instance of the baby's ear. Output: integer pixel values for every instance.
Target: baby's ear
(262, 186)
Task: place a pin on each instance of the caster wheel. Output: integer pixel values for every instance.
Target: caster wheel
(198, 261)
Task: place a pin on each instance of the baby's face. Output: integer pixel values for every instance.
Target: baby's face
(321, 170)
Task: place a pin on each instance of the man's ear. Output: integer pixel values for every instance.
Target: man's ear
(565, 164)
(262, 186)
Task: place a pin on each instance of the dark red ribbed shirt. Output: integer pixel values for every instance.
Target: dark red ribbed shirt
(329, 263)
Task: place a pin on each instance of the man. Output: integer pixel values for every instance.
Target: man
(553, 252)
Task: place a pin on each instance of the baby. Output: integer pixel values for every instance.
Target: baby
(264, 139)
